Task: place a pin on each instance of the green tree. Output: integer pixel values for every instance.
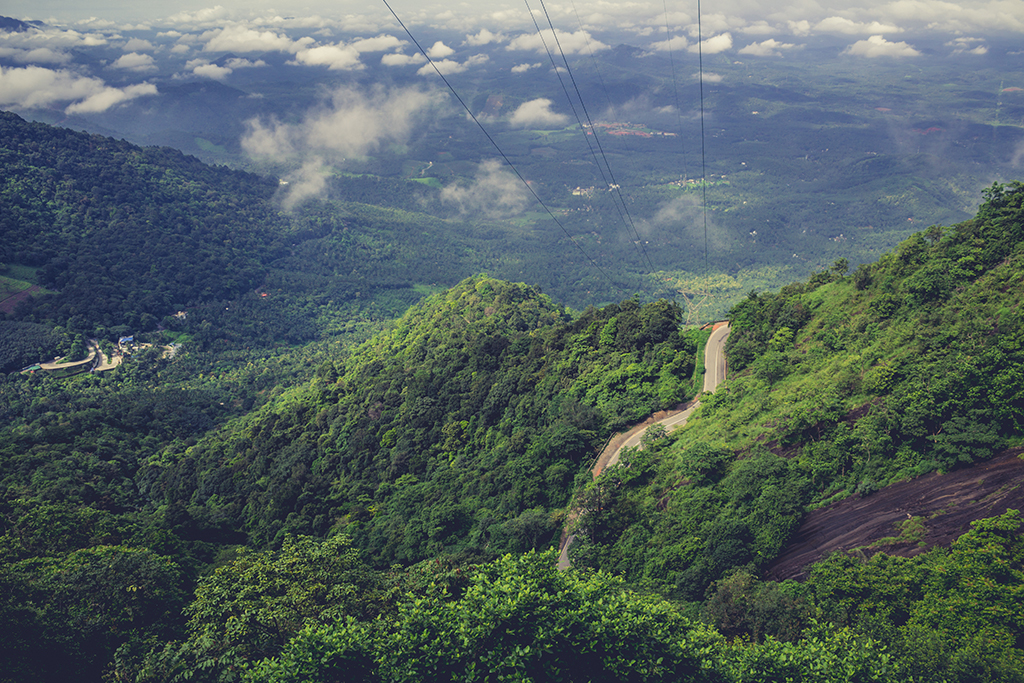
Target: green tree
(251, 607)
(519, 619)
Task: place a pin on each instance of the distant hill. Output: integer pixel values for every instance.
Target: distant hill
(9, 24)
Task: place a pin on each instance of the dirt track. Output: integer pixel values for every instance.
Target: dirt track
(947, 502)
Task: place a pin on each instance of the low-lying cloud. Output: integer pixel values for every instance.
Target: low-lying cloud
(135, 61)
(35, 86)
(352, 124)
(878, 46)
(402, 59)
(484, 37)
(523, 68)
(339, 56)
(850, 27)
(714, 45)
(684, 215)
(571, 43)
(495, 192)
(766, 48)
(537, 113)
(203, 67)
(451, 66)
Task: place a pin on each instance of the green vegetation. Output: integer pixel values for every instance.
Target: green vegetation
(276, 502)
(459, 431)
(841, 385)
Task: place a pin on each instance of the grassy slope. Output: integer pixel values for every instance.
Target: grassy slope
(841, 385)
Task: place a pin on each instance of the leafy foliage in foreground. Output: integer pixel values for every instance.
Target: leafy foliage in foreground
(520, 619)
(945, 616)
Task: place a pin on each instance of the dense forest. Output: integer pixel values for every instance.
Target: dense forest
(277, 502)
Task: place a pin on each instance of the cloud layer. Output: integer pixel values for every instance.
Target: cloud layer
(495, 192)
(537, 114)
(352, 124)
(35, 87)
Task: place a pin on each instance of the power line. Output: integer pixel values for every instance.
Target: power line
(703, 147)
(499, 150)
(614, 184)
(604, 87)
(579, 121)
(675, 89)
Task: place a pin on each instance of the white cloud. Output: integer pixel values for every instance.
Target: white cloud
(334, 57)
(353, 124)
(800, 28)
(484, 37)
(537, 113)
(850, 27)
(139, 45)
(52, 38)
(108, 97)
(439, 51)
(715, 23)
(240, 63)
(709, 77)
(40, 55)
(400, 59)
(523, 68)
(203, 67)
(963, 46)
(244, 39)
(758, 28)
(307, 22)
(36, 86)
(714, 45)
(450, 66)
(571, 43)
(495, 192)
(377, 43)
(217, 73)
(134, 61)
(961, 17)
(180, 49)
(684, 215)
(95, 23)
(766, 48)
(204, 17)
(877, 46)
(660, 19)
(309, 181)
(673, 44)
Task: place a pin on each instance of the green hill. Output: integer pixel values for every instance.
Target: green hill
(839, 386)
(459, 431)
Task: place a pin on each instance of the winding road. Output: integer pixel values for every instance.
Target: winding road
(714, 374)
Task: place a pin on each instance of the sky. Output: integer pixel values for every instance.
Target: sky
(93, 56)
(184, 37)
(87, 44)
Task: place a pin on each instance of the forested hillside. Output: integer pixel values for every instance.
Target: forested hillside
(120, 238)
(460, 431)
(262, 507)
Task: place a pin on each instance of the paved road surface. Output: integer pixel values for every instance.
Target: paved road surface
(714, 363)
(714, 358)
